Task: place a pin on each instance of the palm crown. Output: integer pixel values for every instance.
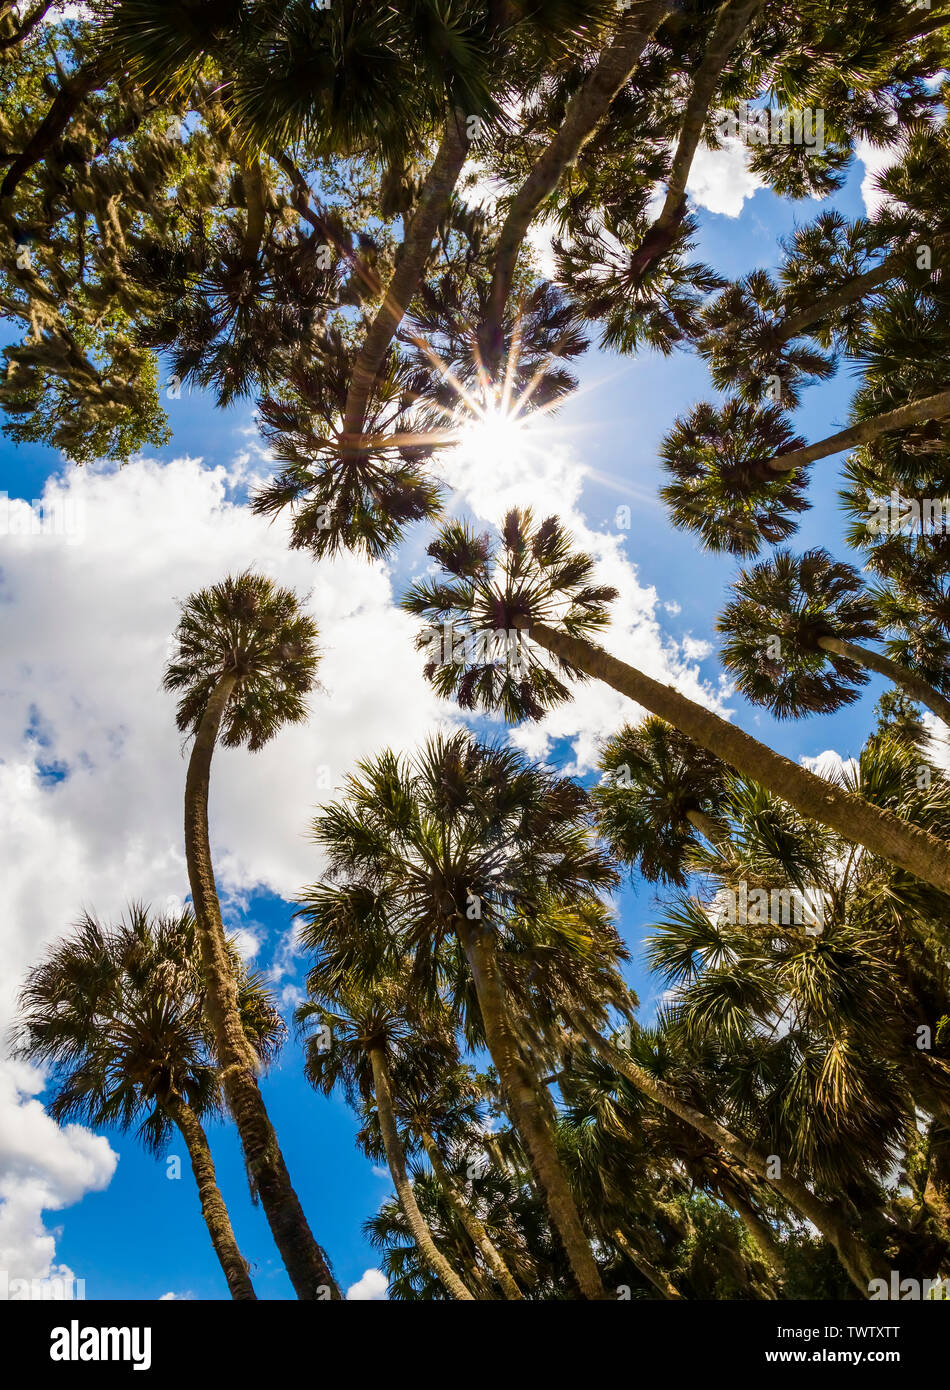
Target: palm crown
(772, 628)
(491, 592)
(118, 1012)
(654, 776)
(416, 843)
(250, 629)
(721, 485)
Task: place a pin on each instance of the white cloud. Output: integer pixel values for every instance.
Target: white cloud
(87, 620)
(371, 1288)
(830, 765)
(548, 475)
(43, 1167)
(721, 180)
(875, 158)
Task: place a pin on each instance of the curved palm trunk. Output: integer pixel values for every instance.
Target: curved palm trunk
(884, 834)
(396, 1158)
(664, 1286)
(585, 111)
(711, 829)
(859, 1262)
(733, 19)
(305, 1262)
(410, 264)
(929, 408)
(522, 1091)
(213, 1209)
(476, 1230)
(759, 1230)
(898, 675)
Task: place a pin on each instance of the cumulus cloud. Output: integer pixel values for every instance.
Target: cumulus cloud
(43, 1167)
(830, 765)
(91, 765)
(371, 1288)
(875, 158)
(721, 180)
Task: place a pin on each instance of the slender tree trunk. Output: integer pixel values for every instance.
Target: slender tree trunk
(213, 1209)
(733, 19)
(410, 264)
(303, 1258)
(585, 111)
(759, 1229)
(928, 408)
(797, 323)
(476, 1230)
(711, 829)
(859, 1262)
(664, 1286)
(527, 1109)
(396, 1158)
(884, 834)
(898, 675)
(253, 180)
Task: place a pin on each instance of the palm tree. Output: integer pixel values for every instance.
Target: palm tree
(247, 658)
(721, 485)
(352, 1042)
(119, 1013)
(432, 856)
(440, 1115)
(538, 588)
(658, 790)
(738, 474)
(790, 637)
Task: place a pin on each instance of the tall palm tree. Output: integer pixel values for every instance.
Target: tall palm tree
(790, 637)
(246, 659)
(537, 587)
(438, 852)
(367, 1028)
(440, 1115)
(119, 1013)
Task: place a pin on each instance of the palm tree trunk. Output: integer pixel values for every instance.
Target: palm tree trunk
(305, 1262)
(928, 408)
(474, 1227)
(859, 1262)
(711, 829)
(396, 1158)
(856, 288)
(898, 675)
(213, 1209)
(585, 111)
(655, 1276)
(884, 834)
(760, 1230)
(410, 264)
(733, 19)
(523, 1094)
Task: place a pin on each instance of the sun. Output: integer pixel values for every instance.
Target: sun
(494, 437)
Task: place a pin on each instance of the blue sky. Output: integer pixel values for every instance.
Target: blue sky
(95, 823)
